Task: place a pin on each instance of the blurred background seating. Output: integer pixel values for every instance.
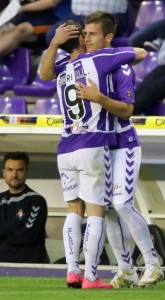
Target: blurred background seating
(13, 105)
(149, 12)
(15, 68)
(37, 87)
(145, 66)
(47, 106)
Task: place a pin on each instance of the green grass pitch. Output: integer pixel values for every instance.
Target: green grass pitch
(32, 288)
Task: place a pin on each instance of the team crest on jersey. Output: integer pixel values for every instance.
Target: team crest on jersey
(117, 189)
(20, 214)
(129, 94)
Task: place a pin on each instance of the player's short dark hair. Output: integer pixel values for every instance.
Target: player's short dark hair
(72, 44)
(107, 20)
(17, 155)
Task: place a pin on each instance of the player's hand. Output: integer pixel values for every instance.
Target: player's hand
(87, 92)
(64, 33)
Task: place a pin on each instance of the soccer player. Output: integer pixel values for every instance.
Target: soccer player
(83, 152)
(126, 157)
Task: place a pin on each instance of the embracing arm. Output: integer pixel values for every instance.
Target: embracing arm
(140, 54)
(118, 108)
(46, 71)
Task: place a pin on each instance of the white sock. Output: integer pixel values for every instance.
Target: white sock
(72, 241)
(119, 238)
(94, 239)
(139, 231)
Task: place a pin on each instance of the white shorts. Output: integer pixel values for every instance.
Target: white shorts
(86, 174)
(125, 171)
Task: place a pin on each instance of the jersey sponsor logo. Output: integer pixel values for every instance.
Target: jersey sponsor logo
(77, 128)
(117, 189)
(71, 187)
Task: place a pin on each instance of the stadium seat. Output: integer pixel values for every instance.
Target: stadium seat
(149, 12)
(123, 40)
(13, 105)
(15, 68)
(47, 106)
(38, 88)
(145, 67)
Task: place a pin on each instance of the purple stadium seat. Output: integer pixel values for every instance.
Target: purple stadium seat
(47, 106)
(149, 12)
(13, 106)
(145, 67)
(38, 88)
(123, 40)
(15, 68)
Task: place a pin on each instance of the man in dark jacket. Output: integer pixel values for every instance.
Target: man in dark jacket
(23, 215)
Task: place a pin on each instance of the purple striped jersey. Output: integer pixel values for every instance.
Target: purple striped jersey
(121, 84)
(86, 124)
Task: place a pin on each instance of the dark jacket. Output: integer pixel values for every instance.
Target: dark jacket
(22, 227)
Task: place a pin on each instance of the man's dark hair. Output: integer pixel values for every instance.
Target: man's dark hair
(107, 20)
(17, 156)
(72, 44)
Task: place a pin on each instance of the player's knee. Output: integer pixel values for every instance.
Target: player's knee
(76, 207)
(25, 29)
